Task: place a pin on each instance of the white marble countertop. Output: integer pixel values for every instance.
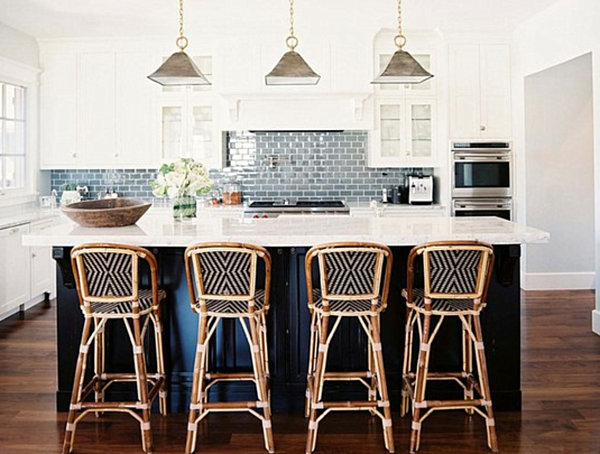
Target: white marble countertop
(158, 229)
(22, 214)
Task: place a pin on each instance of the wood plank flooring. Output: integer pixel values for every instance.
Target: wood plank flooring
(561, 406)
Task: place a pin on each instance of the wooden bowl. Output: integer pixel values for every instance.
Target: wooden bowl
(106, 212)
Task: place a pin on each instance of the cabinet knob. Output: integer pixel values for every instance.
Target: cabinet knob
(74, 155)
(116, 155)
(482, 128)
(33, 255)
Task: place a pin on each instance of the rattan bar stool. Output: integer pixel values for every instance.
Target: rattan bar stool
(222, 281)
(107, 277)
(354, 282)
(456, 276)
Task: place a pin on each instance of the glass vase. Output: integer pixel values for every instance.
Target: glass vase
(184, 208)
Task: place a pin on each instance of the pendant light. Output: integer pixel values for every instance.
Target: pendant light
(292, 69)
(402, 68)
(179, 68)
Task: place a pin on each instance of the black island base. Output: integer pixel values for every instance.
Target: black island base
(288, 336)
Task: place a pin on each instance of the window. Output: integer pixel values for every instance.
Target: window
(12, 136)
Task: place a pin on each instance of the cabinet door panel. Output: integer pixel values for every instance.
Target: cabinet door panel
(465, 110)
(58, 147)
(134, 110)
(14, 268)
(96, 108)
(42, 265)
(495, 90)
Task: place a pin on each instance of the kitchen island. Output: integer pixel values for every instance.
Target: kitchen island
(288, 238)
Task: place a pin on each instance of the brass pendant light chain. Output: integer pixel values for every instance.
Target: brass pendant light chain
(291, 41)
(400, 39)
(181, 41)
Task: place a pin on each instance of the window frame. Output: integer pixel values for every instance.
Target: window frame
(20, 74)
(3, 136)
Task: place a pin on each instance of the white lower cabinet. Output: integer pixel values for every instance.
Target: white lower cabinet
(26, 273)
(43, 269)
(14, 268)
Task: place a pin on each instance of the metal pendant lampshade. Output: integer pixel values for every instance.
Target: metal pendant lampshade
(179, 68)
(291, 69)
(403, 68)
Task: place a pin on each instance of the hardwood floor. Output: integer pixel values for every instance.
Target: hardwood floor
(561, 406)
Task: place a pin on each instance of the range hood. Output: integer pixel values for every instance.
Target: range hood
(298, 111)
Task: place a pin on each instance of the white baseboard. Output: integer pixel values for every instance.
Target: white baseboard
(26, 306)
(559, 281)
(596, 321)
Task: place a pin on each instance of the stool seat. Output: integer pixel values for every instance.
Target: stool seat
(125, 308)
(232, 307)
(343, 306)
(441, 306)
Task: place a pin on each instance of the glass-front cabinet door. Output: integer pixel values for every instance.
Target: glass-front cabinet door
(404, 134)
(420, 129)
(189, 129)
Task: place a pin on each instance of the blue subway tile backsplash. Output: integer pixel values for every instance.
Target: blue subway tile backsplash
(330, 164)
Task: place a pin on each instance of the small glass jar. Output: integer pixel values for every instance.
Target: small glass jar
(232, 193)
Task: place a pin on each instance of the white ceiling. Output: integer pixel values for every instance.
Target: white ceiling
(83, 18)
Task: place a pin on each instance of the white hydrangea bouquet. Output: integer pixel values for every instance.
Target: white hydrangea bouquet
(181, 181)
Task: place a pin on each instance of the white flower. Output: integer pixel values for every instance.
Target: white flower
(182, 177)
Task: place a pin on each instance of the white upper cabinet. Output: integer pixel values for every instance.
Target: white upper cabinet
(404, 135)
(97, 108)
(480, 91)
(58, 114)
(134, 111)
(95, 94)
(405, 130)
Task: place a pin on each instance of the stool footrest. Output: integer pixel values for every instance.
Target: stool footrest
(348, 404)
(347, 375)
(454, 404)
(230, 376)
(239, 405)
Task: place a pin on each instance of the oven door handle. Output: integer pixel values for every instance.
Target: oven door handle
(460, 207)
(488, 158)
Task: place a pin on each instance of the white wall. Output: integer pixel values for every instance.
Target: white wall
(566, 30)
(559, 180)
(18, 46)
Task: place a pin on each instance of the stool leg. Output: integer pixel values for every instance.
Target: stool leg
(199, 370)
(420, 382)
(98, 365)
(263, 345)
(77, 386)
(317, 384)
(388, 434)
(312, 358)
(160, 362)
(485, 386)
(261, 380)
(468, 362)
(372, 368)
(142, 385)
(407, 361)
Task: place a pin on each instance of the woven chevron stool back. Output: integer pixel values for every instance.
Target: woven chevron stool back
(223, 283)
(354, 280)
(456, 276)
(107, 278)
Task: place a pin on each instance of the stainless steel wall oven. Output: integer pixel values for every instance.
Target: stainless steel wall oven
(482, 179)
(481, 169)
